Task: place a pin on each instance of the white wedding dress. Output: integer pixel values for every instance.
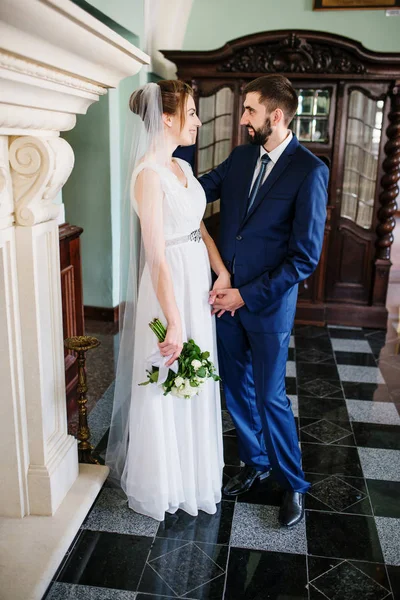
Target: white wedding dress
(175, 455)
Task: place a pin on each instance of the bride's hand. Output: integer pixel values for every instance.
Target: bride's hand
(222, 282)
(172, 345)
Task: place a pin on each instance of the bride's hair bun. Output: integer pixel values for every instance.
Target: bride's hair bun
(173, 97)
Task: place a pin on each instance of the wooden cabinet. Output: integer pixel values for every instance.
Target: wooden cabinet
(72, 303)
(349, 116)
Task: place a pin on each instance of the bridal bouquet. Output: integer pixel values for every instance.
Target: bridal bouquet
(186, 376)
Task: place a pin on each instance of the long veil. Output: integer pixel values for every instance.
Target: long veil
(144, 154)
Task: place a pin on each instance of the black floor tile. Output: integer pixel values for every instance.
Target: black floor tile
(256, 575)
(347, 334)
(314, 594)
(231, 452)
(309, 372)
(348, 580)
(338, 494)
(185, 569)
(212, 529)
(323, 408)
(291, 386)
(315, 356)
(228, 426)
(366, 391)
(266, 492)
(291, 354)
(323, 431)
(375, 435)
(394, 577)
(320, 388)
(343, 536)
(110, 560)
(311, 332)
(355, 358)
(155, 597)
(335, 460)
(385, 497)
(321, 344)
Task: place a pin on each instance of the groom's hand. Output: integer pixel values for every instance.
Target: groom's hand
(225, 300)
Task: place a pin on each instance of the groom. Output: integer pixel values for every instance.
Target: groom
(273, 206)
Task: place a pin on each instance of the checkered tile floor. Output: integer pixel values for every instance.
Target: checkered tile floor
(344, 384)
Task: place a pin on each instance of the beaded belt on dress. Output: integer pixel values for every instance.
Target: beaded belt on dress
(195, 236)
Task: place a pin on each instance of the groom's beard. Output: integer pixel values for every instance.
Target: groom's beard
(260, 136)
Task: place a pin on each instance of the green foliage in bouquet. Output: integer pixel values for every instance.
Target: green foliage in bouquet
(194, 368)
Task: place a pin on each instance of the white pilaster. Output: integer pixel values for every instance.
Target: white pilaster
(39, 167)
(14, 459)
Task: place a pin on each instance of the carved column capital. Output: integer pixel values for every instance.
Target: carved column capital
(39, 169)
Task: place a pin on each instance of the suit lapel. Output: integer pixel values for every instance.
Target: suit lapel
(280, 167)
(248, 168)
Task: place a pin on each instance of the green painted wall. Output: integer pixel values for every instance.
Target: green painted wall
(128, 13)
(86, 196)
(92, 195)
(212, 23)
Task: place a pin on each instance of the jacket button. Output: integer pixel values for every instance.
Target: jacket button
(239, 237)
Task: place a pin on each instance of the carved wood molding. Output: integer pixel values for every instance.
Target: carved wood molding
(39, 169)
(14, 63)
(389, 181)
(293, 54)
(299, 53)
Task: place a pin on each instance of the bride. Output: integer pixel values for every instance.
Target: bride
(165, 452)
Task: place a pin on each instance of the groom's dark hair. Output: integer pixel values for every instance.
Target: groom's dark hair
(275, 91)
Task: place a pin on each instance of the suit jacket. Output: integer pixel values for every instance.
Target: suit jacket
(279, 242)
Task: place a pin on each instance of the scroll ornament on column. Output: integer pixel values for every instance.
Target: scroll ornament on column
(39, 169)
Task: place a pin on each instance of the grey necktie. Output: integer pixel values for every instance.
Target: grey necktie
(264, 162)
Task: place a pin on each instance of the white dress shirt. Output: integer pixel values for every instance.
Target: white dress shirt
(273, 155)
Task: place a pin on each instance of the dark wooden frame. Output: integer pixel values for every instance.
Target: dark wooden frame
(356, 5)
(72, 304)
(317, 59)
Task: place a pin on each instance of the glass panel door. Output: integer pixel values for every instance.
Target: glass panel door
(312, 118)
(363, 136)
(215, 136)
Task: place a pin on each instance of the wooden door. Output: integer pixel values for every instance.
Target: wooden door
(354, 191)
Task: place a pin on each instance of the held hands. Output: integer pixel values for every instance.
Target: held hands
(172, 345)
(225, 299)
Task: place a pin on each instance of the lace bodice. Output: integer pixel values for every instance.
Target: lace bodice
(183, 207)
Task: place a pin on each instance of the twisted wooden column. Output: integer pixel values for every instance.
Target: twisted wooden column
(391, 167)
(387, 200)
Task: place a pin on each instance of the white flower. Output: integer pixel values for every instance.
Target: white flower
(179, 381)
(196, 364)
(199, 380)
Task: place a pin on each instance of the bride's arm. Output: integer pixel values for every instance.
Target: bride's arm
(217, 264)
(149, 197)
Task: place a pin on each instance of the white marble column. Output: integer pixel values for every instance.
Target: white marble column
(14, 458)
(39, 168)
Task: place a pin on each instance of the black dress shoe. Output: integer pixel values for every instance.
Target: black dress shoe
(243, 481)
(292, 509)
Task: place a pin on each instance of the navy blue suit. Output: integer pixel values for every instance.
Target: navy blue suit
(273, 247)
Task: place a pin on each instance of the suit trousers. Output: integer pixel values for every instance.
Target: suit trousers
(253, 368)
